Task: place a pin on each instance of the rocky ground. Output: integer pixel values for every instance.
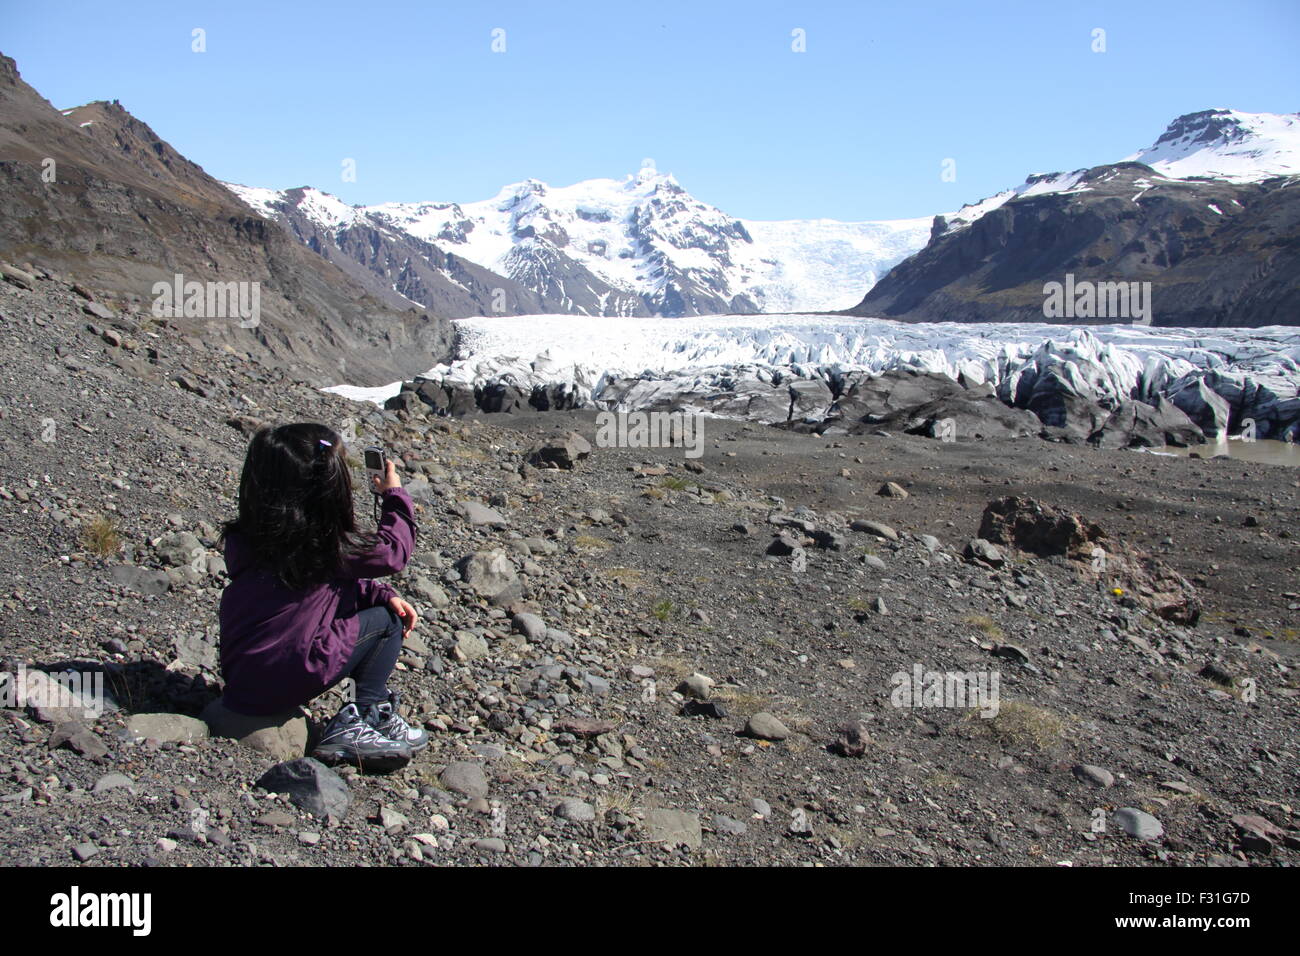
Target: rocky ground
(646, 659)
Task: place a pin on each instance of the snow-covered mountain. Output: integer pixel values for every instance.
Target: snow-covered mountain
(643, 246)
(1206, 217)
(392, 263)
(1221, 144)
(634, 247)
(1226, 144)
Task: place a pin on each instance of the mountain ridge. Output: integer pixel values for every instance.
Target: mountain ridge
(636, 247)
(96, 193)
(1218, 250)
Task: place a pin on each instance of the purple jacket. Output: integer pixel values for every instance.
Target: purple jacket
(280, 648)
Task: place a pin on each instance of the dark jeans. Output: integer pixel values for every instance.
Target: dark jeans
(379, 642)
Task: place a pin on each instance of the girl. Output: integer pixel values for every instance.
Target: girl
(301, 611)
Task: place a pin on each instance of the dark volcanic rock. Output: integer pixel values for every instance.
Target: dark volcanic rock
(1035, 528)
(1031, 526)
(563, 452)
(310, 785)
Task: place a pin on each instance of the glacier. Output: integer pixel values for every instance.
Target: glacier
(628, 363)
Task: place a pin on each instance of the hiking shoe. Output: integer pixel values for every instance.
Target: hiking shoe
(384, 717)
(348, 738)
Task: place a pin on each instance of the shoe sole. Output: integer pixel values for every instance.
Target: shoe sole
(376, 763)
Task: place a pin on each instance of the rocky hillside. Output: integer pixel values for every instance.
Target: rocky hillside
(1213, 224)
(94, 193)
(627, 657)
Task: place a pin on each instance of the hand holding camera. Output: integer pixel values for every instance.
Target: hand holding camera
(382, 472)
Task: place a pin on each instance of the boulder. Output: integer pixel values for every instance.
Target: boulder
(575, 810)
(765, 726)
(433, 394)
(173, 728)
(1154, 584)
(143, 580)
(502, 397)
(875, 528)
(1031, 526)
(408, 402)
(470, 647)
(80, 738)
(1097, 776)
(283, 736)
(310, 785)
(529, 625)
(61, 698)
(181, 548)
(981, 551)
(785, 544)
(480, 515)
(466, 779)
(1138, 823)
(673, 827)
(697, 686)
(16, 276)
(491, 575)
(564, 452)
(852, 740)
(428, 592)
(892, 489)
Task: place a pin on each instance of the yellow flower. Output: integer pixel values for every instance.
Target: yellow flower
(1118, 592)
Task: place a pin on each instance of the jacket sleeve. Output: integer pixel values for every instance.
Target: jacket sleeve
(372, 593)
(396, 539)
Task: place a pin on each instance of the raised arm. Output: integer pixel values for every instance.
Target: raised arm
(396, 539)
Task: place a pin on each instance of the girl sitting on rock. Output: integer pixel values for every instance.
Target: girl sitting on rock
(302, 610)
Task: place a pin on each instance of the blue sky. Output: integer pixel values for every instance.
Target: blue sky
(856, 127)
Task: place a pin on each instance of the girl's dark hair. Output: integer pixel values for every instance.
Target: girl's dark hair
(295, 505)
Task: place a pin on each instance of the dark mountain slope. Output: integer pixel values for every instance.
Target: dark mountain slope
(125, 210)
(1216, 253)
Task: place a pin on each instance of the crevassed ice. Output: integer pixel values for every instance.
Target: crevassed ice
(585, 353)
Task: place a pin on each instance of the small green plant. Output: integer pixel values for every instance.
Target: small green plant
(663, 610)
(744, 703)
(942, 780)
(674, 483)
(985, 625)
(589, 542)
(672, 668)
(1021, 724)
(628, 577)
(101, 536)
